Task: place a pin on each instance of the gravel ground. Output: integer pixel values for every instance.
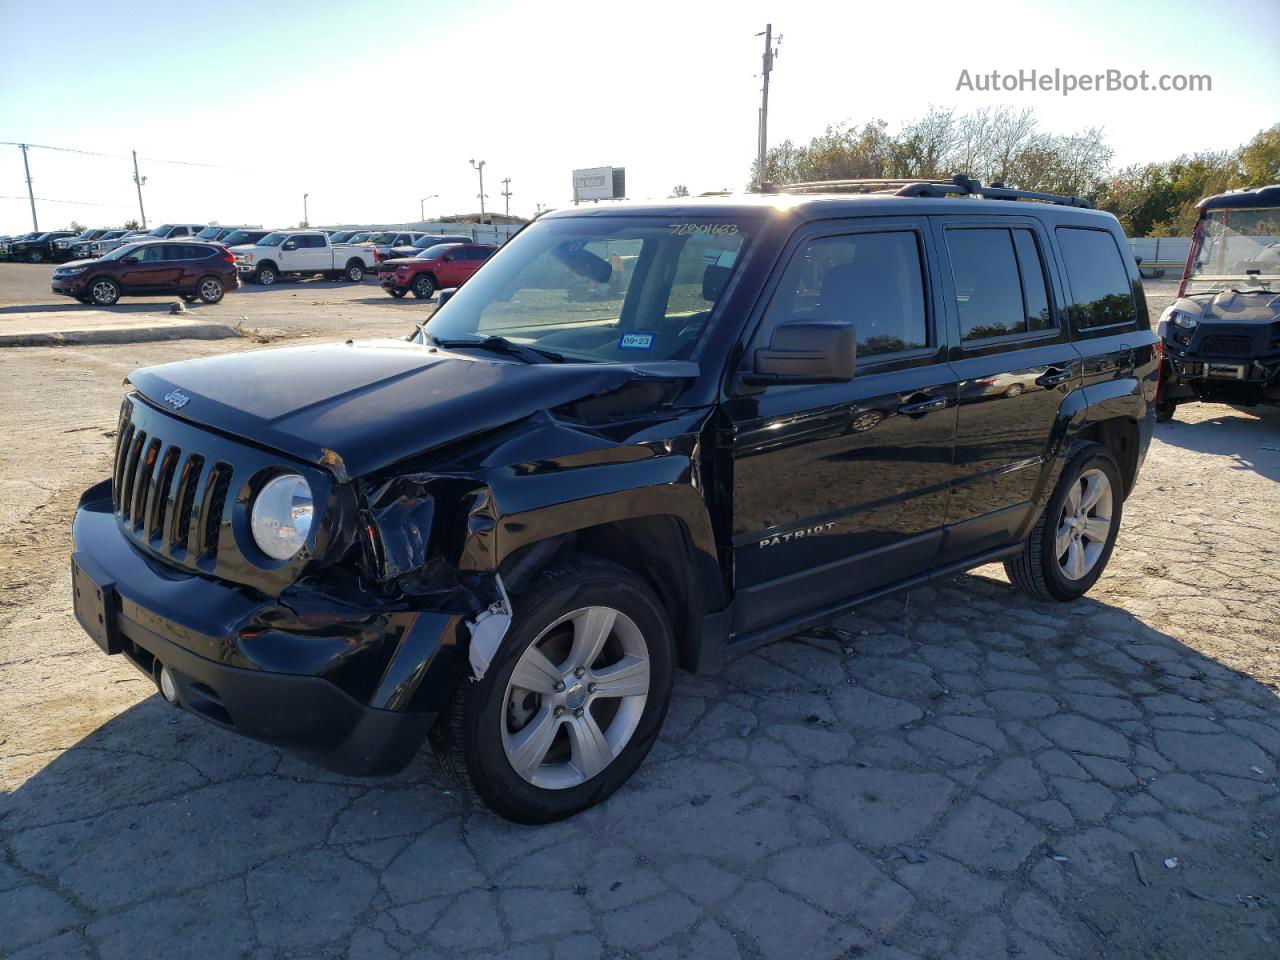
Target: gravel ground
(956, 772)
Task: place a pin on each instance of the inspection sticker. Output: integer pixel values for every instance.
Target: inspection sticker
(636, 340)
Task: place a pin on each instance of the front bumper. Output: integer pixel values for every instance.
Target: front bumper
(73, 286)
(348, 689)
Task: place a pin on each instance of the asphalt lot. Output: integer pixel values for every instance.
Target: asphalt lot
(956, 772)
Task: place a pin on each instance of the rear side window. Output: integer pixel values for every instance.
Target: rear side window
(872, 280)
(198, 253)
(999, 282)
(1100, 291)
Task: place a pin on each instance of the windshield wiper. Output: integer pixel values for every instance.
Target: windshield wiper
(496, 344)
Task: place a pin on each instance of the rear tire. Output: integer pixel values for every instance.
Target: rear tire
(104, 292)
(1072, 541)
(424, 287)
(355, 271)
(575, 746)
(211, 290)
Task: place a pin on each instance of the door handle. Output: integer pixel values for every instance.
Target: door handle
(923, 406)
(1053, 376)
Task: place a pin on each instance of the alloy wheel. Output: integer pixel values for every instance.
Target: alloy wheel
(211, 290)
(1085, 524)
(575, 697)
(104, 293)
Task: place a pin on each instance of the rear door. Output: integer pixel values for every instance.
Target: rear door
(841, 488)
(1014, 364)
(1106, 306)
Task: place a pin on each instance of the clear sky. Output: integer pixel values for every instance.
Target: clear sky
(369, 106)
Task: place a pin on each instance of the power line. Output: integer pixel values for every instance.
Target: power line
(121, 156)
(81, 203)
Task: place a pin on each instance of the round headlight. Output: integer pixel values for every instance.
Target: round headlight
(1186, 321)
(281, 516)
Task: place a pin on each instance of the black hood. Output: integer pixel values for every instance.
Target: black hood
(358, 407)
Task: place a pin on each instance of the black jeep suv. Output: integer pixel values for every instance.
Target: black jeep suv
(511, 527)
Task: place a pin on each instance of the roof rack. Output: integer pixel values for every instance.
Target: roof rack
(915, 187)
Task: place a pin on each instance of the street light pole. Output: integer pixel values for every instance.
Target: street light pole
(35, 225)
(480, 167)
(306, 219)
(139, 181)
(422, 208)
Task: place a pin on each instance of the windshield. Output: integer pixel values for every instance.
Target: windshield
(601, 289)
(208, 233)
(341, 236)
(1237, 246)
(113, 234)
(160, 231)
(237, 236)
(359, 237)
(272, 239)
(382, 238)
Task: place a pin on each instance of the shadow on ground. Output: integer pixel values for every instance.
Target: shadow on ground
(1248, 437)
(960, 772)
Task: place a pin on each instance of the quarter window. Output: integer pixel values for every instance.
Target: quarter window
(1100, 291)
(999, 282)
(872, 280)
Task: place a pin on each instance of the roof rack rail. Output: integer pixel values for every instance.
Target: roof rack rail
(917, 187)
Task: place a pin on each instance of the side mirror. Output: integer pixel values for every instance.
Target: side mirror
(807, 351)
(444, 295)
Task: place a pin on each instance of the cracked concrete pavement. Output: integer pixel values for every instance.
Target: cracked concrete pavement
(955, 772)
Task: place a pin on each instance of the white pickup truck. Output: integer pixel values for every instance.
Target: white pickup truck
(301, 253)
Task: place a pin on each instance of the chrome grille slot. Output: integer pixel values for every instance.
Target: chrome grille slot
(185, 501)
(130, 473)
(142, 483)
(215, 502)
(162, 493)
(123, 442)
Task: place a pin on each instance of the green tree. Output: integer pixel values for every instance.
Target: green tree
(1260, 158)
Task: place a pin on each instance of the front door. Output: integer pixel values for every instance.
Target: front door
(151, 271)
(1014, 364)
(841, 488)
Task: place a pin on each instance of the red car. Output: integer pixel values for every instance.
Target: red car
(435, 268)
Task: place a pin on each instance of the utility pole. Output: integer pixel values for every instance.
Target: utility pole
(138, 182)
(480, 167)
(506, 193)
(770, 52)
(31, 194)
(306, 220)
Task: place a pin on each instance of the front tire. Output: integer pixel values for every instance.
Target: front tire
(1072, 541)
(424, 286)
(35, 256)
(1165, 410)
(104, 292)
(266, 275)
(397, 292)
(573, 699)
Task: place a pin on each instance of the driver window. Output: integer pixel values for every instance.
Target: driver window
(872, 280)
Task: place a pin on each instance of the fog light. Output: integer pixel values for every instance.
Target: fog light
(168, 686)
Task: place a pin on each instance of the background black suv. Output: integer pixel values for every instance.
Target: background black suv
(516, 525)
(39, 248)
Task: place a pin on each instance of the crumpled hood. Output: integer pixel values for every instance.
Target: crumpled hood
(357, 407)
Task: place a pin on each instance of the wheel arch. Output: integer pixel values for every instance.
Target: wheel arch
(1120, 436)
(658, 549)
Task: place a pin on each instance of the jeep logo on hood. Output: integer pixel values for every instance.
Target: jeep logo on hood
(176, 399)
